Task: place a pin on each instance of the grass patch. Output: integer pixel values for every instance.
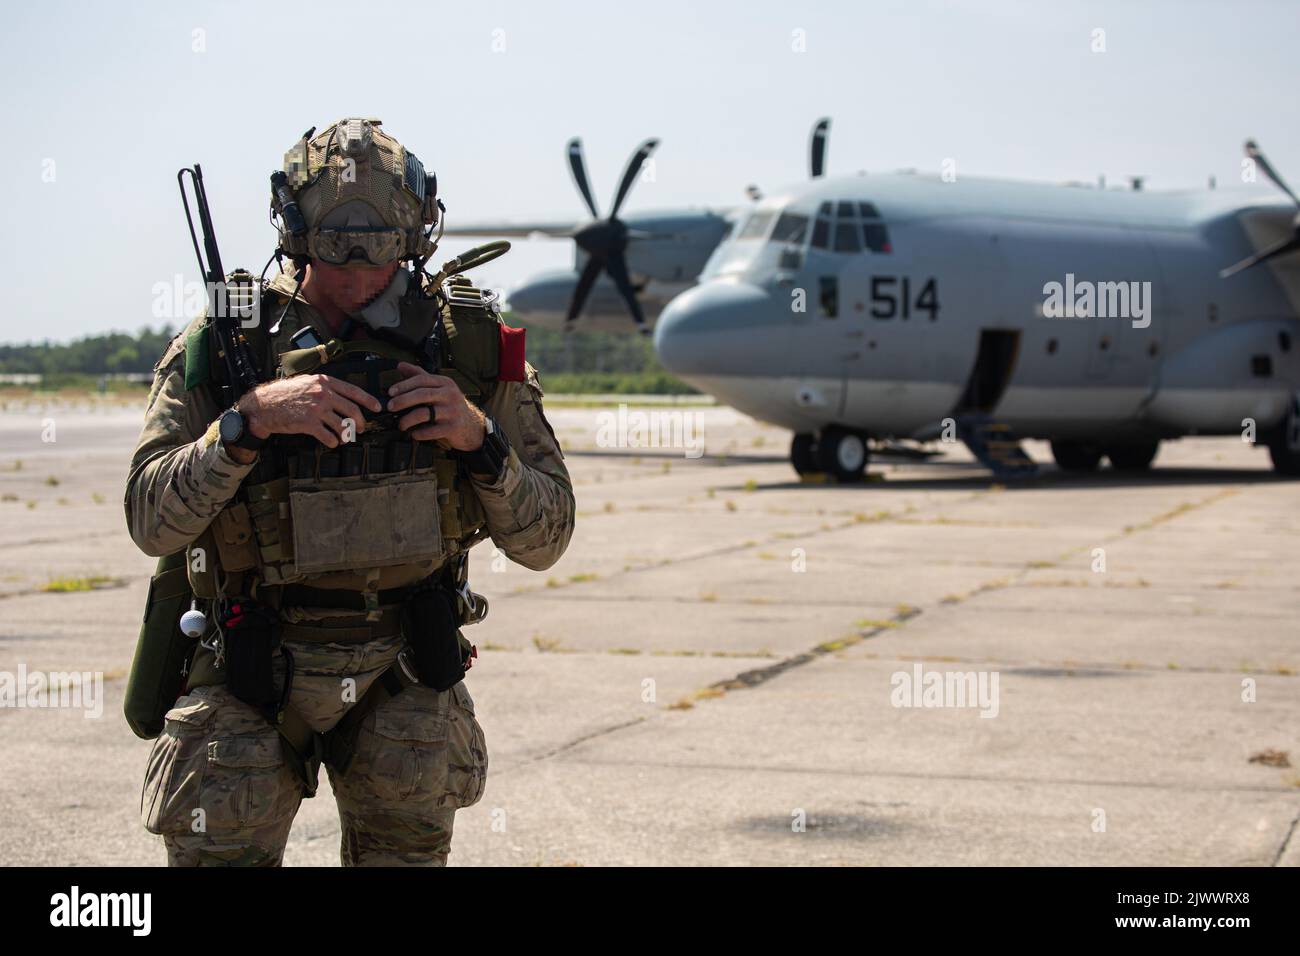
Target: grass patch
(95, 582)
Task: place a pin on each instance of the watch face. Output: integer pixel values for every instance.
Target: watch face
(231, 426)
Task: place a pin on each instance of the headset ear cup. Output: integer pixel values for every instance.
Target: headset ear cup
(431, 204)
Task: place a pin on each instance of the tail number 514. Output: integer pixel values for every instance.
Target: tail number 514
(891, 298)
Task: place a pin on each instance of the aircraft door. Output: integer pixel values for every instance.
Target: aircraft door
(917, 305)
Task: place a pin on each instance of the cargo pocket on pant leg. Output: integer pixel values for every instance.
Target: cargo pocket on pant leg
(467, 758)
(246, 786)
(176, 765)
(401, 754)
(213, 773)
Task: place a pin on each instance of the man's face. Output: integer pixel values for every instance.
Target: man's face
(350, 287)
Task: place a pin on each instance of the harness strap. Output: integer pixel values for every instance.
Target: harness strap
(300, 595)
(389, 625)
(306, 750)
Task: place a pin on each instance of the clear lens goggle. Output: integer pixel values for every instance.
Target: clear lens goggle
(379, 245)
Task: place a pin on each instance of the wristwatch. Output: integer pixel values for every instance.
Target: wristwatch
(490, 457)
(234, 431)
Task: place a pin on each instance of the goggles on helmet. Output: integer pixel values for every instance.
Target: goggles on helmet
(377, 245)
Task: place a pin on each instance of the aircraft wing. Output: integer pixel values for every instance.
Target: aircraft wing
(556, 230)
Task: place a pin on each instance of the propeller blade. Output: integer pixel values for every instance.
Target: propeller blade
(1277, 249)
(817, 148)
(616, 266)
(1255, 153)
(583, 289)
(633, 167)
(578, 167)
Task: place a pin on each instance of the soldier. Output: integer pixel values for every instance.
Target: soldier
(326, 519)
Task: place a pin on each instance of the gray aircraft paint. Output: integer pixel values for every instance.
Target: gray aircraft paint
(991, 246)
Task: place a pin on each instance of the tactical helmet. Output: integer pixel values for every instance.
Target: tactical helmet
(358, 192)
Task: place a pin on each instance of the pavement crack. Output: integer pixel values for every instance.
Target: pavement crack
(929, 775)
(761, 675)
(1286, 841)
(569, 745)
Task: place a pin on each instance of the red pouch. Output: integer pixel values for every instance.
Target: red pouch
(511, 362)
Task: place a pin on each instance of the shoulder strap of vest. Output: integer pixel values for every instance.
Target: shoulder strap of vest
(471, 321)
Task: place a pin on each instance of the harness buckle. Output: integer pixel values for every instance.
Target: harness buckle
(468, 597)
(404, 663)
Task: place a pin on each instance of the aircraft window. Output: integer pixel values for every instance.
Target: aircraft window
(821, 236)
(790, 228)
(867, 211)
(791, 258)
(756, 228)
(844, 209)
(824, 209)
(846, 237)
(875, 237)
(829, 289)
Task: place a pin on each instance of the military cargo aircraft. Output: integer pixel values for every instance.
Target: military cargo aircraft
(624, 268)
(912, 307)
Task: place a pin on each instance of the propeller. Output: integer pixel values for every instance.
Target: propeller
(1283, 246)
(605, 240)
(817, 148)
(817, 145)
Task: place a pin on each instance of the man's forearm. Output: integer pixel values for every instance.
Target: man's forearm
(172, 497)
(529, 514)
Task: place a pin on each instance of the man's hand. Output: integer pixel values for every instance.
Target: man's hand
(438, 400)
(316, 405)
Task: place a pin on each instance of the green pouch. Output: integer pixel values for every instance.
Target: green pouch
(161, 651)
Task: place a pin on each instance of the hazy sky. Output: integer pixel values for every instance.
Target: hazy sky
(109, 99)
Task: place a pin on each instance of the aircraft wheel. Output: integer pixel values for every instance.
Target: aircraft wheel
(1284, 443)
(1076, 456)
(803, 453)
(1134, 457)
(842, 454)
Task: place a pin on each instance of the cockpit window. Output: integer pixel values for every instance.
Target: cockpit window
(849, 227)
(756, 228)
(821, 236)
(790, 228)
(846, 237)
(875, 237)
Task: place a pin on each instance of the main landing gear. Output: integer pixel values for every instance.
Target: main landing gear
(1084, 457)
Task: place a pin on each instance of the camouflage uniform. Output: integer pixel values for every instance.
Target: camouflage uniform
(218, 787)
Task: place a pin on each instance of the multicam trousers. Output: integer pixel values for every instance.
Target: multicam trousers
(220, 792)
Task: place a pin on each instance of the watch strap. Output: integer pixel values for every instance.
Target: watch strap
(490, 457)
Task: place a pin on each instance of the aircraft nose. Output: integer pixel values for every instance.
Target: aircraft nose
(708, 329)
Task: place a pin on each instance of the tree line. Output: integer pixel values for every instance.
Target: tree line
(580, 361)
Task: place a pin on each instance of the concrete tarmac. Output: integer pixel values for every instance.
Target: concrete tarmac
(721, 668)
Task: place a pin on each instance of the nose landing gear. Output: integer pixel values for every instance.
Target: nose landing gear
(838, 452)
